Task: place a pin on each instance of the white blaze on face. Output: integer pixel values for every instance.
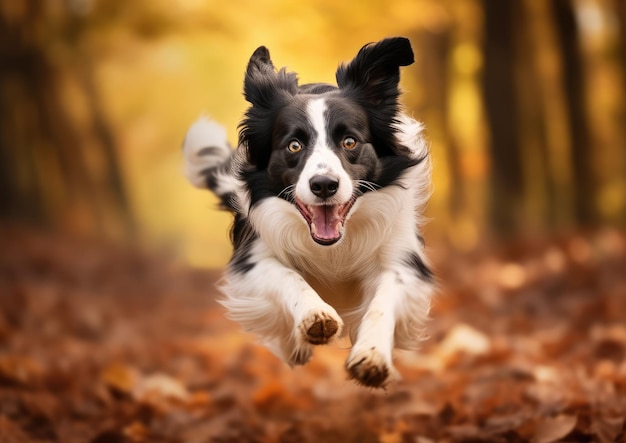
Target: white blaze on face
(322, 161)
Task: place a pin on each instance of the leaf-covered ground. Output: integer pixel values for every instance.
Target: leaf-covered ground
(103, 345)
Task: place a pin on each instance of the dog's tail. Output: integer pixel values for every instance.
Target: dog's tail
(209, 161)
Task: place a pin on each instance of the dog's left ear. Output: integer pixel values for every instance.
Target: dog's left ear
(371, 79)
(374, 73)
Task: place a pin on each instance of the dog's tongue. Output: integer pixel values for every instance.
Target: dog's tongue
(325, 224)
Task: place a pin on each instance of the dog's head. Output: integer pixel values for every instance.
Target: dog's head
(319, 146)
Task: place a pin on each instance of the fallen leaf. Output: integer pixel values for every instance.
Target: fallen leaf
(21, 370)
(552, 429)
(11, 432)
(120, 377)
(390, 437)
(579, 250)
(464, 339)
(464, 432)
(276, 396)
(161, 385)
(606, 429)
(501, 424)
(136, 432)
(512, 276)
(199, 399)
(417, 407)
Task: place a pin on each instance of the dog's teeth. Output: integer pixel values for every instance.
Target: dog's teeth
(339, 228)
(313, 229)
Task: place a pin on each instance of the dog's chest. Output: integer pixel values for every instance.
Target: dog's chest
(380, 221)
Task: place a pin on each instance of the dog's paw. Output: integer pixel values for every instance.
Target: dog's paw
(318, 327)
(369, 367)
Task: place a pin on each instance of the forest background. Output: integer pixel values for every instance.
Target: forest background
(524, 102)
(109, 259)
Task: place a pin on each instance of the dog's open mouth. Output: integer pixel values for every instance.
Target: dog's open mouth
(326, 222)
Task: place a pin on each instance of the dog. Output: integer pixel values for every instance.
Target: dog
(327, 186)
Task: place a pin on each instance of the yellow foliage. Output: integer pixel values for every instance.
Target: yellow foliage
(159, 64)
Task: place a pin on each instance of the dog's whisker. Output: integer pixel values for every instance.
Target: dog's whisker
(369, 185)
(287, 192)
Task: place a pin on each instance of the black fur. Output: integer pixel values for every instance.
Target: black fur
(423, 272)
(364, 105)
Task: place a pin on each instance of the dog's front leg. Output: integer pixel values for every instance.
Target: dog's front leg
(396, 313)
(276, 303)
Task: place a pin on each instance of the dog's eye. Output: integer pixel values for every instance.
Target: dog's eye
(348, 143)
(294, 146)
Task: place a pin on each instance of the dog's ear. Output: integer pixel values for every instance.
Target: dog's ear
(375, 71)
(262, 83)
(372, 79)
(267, 90)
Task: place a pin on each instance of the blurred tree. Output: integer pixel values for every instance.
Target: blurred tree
(574, 83)
(54, 170)
(620, 8)
(501, 105)
(541, 195)
(435, 48)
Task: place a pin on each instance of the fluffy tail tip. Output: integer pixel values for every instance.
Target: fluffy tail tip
(205, 146)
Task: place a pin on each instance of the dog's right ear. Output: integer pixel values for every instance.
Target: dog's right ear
(262, 84)
(267, 91)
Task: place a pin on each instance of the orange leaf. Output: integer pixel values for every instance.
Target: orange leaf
(22, 370)
(136, 432)
(11, 432)
(607, 429)
(161, 385)
(554, 428)
(120, 377)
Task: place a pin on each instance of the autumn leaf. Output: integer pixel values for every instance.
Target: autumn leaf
(10, 432)
(136, 432)
(551, 429)
(540, 360)
(606, 429)
(161, 385)
(120, 377)
(18, 369)
(465, 339)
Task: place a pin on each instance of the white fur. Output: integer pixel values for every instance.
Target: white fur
(294, 281)
(204, 133)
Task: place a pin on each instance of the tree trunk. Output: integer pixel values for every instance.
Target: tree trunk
(541, 188)
(574, 84)
(436, 49)
(506, 178)
(46, 175)
(620, 7)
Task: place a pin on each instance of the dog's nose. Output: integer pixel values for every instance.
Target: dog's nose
(324, 186)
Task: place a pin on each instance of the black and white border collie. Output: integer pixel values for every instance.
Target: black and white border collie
(326, 188)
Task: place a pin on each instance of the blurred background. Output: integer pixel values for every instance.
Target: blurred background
(524, 103)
